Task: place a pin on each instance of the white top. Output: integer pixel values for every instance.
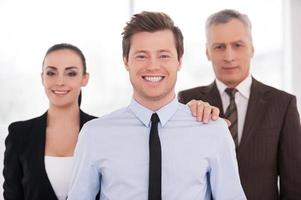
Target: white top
(241, 100)
(59, 170)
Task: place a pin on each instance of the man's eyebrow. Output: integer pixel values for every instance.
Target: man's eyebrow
(164, 50)
(140, 51)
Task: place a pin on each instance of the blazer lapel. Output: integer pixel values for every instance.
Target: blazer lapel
(37, 144)
(211, 94)
(256, 108)
(40, 134)
(38, 137)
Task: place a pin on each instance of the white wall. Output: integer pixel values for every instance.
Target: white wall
(29, 27)
(292, 40)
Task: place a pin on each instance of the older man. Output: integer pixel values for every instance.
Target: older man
(265, 121)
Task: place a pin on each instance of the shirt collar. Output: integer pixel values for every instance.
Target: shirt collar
(144, 114)
(244, 87)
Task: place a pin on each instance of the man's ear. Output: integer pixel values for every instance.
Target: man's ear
(252, 51)
(125, 62)
(207, 54)
(180, 64)
(85, 80)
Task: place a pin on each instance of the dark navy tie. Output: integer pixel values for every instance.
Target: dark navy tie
(154, 188)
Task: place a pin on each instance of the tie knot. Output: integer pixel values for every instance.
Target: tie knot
(155, 118)
(231, 92)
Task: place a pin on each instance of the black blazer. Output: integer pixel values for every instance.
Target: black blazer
(270, 144)
(24, 170)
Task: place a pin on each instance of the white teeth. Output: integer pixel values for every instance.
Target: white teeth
(153, 78)
(60, 92)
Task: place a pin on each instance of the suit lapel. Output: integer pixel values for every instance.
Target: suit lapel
(256, 109)
(39, 132)
(38, 137)
(35, 152)
(211, 94)
(37, 144)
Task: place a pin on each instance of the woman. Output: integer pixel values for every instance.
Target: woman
(38, 155)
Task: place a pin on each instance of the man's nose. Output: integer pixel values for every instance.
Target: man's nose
(229, 55)
(153, 64)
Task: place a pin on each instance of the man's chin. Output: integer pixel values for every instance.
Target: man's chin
(159, 97)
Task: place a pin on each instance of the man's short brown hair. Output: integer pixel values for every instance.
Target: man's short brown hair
(150, 22)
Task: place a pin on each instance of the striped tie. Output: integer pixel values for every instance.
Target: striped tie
(231, 114)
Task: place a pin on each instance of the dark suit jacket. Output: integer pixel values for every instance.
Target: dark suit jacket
(24, 170)
(270, 144)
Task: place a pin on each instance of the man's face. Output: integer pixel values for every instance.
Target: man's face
(230, 49)
(153, 65)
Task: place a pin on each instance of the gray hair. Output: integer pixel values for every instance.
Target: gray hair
(224, 16)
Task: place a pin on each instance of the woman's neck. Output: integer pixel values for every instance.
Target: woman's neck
(63, 115)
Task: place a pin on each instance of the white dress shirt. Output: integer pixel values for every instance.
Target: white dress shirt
(112, 154)
(241, 100)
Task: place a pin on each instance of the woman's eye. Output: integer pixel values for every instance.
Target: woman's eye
(50, 73)
(72, 74)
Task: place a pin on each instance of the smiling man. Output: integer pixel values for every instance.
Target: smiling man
(154, 149)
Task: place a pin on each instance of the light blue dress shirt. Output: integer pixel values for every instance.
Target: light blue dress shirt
(112, 153)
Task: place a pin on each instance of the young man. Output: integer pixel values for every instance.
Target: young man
(154, 148)
(265, 121)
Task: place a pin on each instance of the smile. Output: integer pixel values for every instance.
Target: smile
(60, 92)
(153, 78)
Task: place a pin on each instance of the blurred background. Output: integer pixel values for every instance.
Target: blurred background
(29, 28)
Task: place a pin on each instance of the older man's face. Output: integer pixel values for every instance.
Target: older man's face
(230, 49)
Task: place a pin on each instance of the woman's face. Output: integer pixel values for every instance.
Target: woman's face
(63, 77)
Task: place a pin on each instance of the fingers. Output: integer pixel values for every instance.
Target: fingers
(203, 111)
(214, 113)
(210, 112)
(193, 107)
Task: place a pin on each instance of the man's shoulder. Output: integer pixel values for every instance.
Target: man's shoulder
(114, 116)
(194, 90)
(271, 92)
(213, 132)
(199, 92)
(184, 115)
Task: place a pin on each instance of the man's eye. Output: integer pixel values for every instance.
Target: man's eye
(219, 47)
(164, 56)
(140, 56)
(238, 45)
